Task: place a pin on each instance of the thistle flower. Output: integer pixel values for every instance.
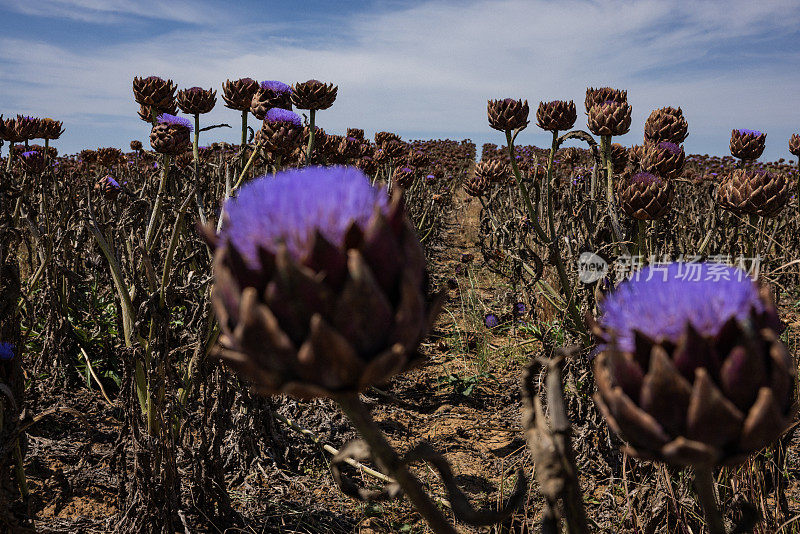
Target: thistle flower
(747, 144)
(691, 370)
(490, 320)
(556, 115)
(319, 283)
(6, 351)
(313, 94)
(507, 114)
(196, 100)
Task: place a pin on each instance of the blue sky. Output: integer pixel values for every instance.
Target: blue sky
(420, 68)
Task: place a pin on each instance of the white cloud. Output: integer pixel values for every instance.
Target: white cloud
(431, 67)
(111, 11)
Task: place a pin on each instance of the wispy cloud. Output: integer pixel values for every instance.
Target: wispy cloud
(111, 11)
(430, 67)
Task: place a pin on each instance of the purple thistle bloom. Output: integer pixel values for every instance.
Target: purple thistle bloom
(283, 115)
(276, 86)
(745, 131)
(491, 320)
(177, 121)
(519, 308)
(6, 351)
(291, 207)
(112, 182)
(672, 148)
(29, 153)
(659, 302)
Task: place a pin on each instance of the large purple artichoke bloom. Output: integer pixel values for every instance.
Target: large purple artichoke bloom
(691, 369)
(283, 115)
(320, 284)
(173, 120)
(276, 86)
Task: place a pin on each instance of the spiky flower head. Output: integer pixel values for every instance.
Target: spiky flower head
(170, 134)
(646, 196)
(490, 320)
(794, 145)
(196, 100)
(610, 118)
(319, 283)
(556, 115)
(747, 144)
(238, 94)
(691, 369)
(313, 94)
(276, 86)
(172, 120)
(33, 161)
(507, 114)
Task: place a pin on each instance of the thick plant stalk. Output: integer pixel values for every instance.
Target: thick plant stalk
(704, 484)
(388, 460)
(156, 213)
(642, 236)
(310, 148)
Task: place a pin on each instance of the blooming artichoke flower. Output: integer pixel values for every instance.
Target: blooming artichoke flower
(691, 370)
(490, 320)
(747, 144)
(320, 283)
(358, 133)
(270, 94)
(108, 186)
(282, 131)
(170, 134)
(6, 351)
(507, 114)
(27, 128)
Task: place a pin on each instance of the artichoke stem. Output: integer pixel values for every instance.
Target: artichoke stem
(10, 155)
(704, 484)
(311, 117)
(642, 239)
(388, 460)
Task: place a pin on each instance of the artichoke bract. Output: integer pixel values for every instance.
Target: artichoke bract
(154, 92)
(281, 131)
(320, 283)
(604, 94)
(747, 144)
(691, 369)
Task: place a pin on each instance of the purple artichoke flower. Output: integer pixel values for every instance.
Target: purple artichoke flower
(490, 320)
(745, 131)
(6, 351)
(518, 309)
(283, 115)
(320, 283)
(173, 120)
(276, 86)
(690, 368)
